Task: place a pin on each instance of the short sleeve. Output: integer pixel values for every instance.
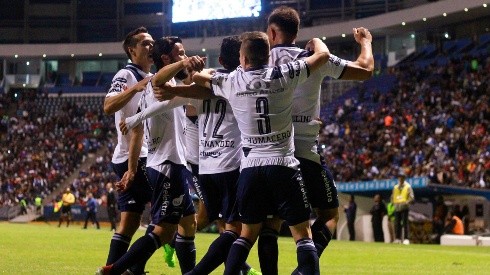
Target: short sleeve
(334, 67)
(221, 85)
(294, 72)
(119, 82)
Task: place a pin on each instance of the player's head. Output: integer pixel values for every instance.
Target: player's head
(229, 56)
(284, 22)
(137, 45)
(254, 51)
(67, 190)
(168, 50)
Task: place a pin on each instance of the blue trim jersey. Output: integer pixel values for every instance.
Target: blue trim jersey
(261, 99)
(306, 99)
(124, 79)
(219, 137)
(191, 138)
(163, 132)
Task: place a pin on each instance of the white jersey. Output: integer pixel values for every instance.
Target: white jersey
(262, 99)
(306, 100)
(191, 138)
(124, 79)
(220, 147)
(163, 132)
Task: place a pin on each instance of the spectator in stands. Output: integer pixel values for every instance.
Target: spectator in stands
(401, 197)
(350, 214)
(378, 211)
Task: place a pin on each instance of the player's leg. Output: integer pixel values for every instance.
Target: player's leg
(253, 204)
(323, 196)
(268, 248)
(131, 203)
(293, 206)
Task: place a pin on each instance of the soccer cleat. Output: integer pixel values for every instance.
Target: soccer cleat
(105, 270)
(169, 255)
(397, 241)
(253, 271)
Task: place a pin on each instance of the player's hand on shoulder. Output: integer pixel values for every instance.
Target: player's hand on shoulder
(362, 33)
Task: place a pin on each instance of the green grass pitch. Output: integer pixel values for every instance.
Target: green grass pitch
(39, 248)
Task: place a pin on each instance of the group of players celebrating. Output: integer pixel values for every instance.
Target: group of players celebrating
(243, 137)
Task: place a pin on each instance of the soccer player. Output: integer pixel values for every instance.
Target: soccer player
(283, 26)
(121, 100)
(261, 99)
(219, 160)
(171, 201)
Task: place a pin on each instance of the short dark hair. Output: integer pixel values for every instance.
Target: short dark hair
(130, 41)
(287, 19)
(230, 52)
(255, 46)
(162, 46)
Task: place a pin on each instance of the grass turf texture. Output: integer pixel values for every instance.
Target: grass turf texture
(39, 248)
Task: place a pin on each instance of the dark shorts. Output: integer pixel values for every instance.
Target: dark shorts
(320, 185)
(192, 178)
(139, 193)
(66, 210)
(219, 195)
(171, 198)
(272, 189)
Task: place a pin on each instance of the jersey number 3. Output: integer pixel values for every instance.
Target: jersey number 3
(264, 122)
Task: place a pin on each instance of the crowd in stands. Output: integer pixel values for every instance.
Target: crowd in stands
(433, 122)
(46, 140)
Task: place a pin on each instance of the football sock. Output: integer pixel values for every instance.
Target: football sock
(141, 250)
(119, 245)
(321, 236)
(185, 249)
(268, 251)
(237, 256)
(307, 257)
(217, 253)
(139, 268)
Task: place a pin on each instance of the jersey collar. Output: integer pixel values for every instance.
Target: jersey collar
(285, 45)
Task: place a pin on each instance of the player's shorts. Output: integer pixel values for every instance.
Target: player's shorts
(193, 177)
(139, 193)
(320, 185)
(65, 210)
(264, 189)
(171, 198)
(219, 195)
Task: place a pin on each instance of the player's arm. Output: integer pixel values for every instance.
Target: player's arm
(189, 91)
(194, 63)
(135, 144)
(154, 109)
(320, 54)
(114, 103)
(363, 67)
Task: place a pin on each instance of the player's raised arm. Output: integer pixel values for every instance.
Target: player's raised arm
(363, 67)
(193, 63)
(189, 91)
(203, 79)
(320, 54)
